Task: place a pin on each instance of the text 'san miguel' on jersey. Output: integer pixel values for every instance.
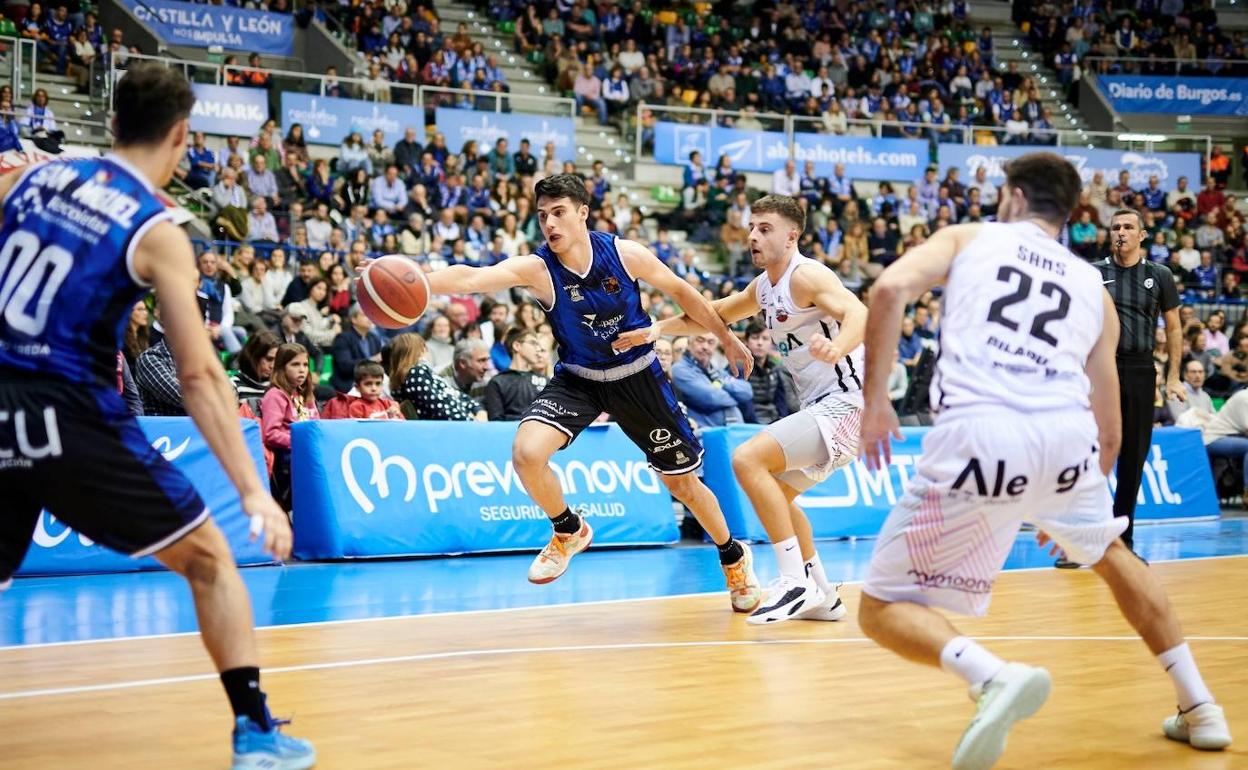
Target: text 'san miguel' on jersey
(67, 283)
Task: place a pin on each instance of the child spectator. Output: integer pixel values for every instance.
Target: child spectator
(369, 404)
(288, 401)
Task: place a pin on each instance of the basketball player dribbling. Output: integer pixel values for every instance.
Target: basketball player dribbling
(1028, 425)
(588, 285)
(82, 240)
(817, 325)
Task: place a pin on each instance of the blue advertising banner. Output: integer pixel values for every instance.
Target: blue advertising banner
(369, 488)
(203, 26)
(854, 501)
(329, 120)
(229, 110)
(1176, 95)
(1168, 166)
(864, 157)
(58, 550)
(486, 128)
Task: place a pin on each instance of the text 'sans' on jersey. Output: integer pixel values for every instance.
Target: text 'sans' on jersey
(1021, 315)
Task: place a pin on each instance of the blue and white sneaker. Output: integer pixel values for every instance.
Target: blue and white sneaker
(258, 749)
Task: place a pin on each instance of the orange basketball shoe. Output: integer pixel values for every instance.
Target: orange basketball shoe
(554, 558)
(743, 587)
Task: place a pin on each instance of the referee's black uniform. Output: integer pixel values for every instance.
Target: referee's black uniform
(1140, 293)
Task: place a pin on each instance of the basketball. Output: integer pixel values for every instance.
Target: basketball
(393, 292)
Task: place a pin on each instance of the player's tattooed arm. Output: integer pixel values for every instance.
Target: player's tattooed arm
(901, 283)
(816, 285)
(730, 309)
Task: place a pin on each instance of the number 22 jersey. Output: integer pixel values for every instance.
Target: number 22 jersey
(67, 280)
(1021, 315)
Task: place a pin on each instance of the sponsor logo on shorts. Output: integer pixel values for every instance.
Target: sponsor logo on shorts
(662, 440)
(34, 441)
(546, 404)
(956, 582)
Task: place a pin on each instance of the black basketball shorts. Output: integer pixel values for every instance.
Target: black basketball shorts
(75, 451)
(643, 404)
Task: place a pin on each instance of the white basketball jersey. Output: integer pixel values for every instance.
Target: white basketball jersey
(1021, 315)
(791, 328)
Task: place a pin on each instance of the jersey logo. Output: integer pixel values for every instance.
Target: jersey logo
(611, 285)
(782, 316)
(574, 292)
(1148, 283)
(1111, 280)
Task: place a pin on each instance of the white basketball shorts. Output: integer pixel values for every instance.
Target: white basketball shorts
(979, 478)
(818, 439)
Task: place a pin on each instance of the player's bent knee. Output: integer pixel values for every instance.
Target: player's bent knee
(1116, 555)
(201, 556)
(526, 458)
(682, 486)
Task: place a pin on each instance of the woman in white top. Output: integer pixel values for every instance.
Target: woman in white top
(256, 295)
(438, 343)
(322, 325)
(279, 274)
(39, 116)
(514, 241)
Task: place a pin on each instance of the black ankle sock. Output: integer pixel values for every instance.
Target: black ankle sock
(567, 523)
(242, 686)
(730, 552)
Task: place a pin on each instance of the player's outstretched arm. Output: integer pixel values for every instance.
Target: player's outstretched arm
(1102, 373)
(901, 283)
(164, 257)
(642, 264)
(730, 309)
(524, 271)
(817, 285)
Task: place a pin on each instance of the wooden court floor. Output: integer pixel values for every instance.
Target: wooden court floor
(668, 683)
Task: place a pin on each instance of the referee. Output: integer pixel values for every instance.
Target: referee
(1141, 290)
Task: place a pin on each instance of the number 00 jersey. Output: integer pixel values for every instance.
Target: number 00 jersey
(791, 328)
(67, 281)
(1022, 313)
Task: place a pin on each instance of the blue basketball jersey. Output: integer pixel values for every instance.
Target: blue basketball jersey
(67, 283)
(591, 310)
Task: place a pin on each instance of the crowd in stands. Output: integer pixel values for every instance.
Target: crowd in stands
(914, 69)
(1152, 37)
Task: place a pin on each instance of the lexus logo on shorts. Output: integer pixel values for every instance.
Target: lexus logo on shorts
(660, 435)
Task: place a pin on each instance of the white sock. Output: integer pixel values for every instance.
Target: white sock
(968, 660)
(789, 558)
(1188, 684)
(814, 568)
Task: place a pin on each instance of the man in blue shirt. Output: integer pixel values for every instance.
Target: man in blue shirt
(387, 192)
(713, 397)
(59, 28)
(202, 162)
(1154, 196)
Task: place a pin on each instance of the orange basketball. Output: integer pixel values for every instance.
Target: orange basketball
(393, 292)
